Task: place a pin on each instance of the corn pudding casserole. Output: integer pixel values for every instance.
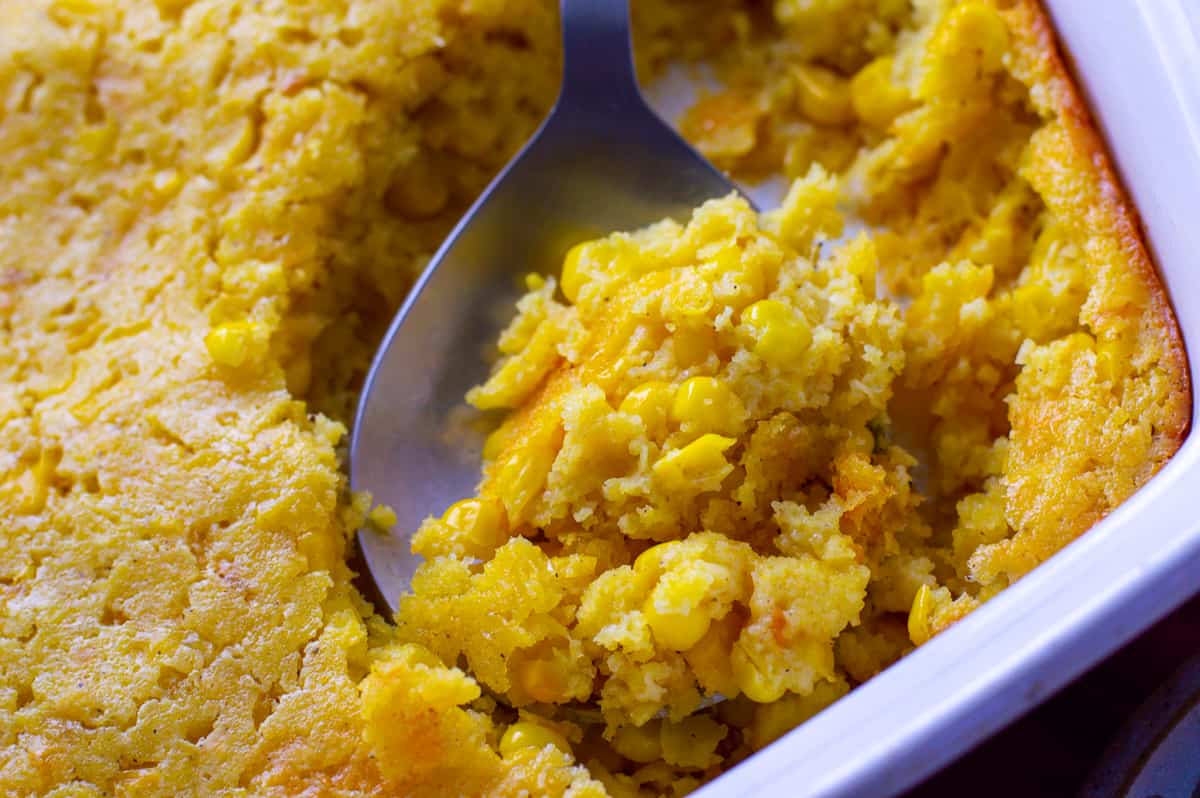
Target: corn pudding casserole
(745, 462)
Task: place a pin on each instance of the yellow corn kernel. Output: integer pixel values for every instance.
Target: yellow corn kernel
(699, 466)
(521, 475)
(751, 680)
(382, 516)
(706, 404)
(736, 277)
(479, 523)
(692, 742)
(968, 45)
(520, 375)
(860, 258)
(237, 148)
(498, 440)
(781, 334)
(639, 743)
(751, 284)
(709, 657)
(572, 277)
(233, 343)
(77, 6)
(738, 712)
(823, 95)
(534, 281)
(876, 98)
(419, 655)
(724, 126)
(526, 734)
(650, 561)
(772, 721)
(622, 256)
(167, 182)
(651, 402)
(728, 258)
(97, 140)
(542, 680)
(980, 28)
(918, 616)
(35, 483)
(1113, 357)
(678, 631)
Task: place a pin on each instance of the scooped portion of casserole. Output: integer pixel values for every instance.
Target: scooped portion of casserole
(759, 457)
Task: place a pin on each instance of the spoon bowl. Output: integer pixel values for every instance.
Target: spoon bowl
(602, 161)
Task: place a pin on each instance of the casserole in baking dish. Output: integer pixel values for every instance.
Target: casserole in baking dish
(709, 483)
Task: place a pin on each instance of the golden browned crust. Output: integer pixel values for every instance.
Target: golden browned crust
(1098, 412)
(1108, 204)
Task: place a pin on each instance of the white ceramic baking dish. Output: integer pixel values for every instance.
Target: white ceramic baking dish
(1139, 63)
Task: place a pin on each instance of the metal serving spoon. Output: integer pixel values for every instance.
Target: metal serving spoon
(602, 161)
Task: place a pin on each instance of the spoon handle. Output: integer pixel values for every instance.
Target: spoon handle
(598, 71)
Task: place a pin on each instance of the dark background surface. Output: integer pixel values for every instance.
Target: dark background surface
(1051, 751)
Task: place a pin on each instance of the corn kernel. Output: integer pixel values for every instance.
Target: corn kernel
(479, 523)
(723, 127)
(727, 259)
(709, 657)
(419, 655)
(1113, 357)
(518, 376)
(638, 743)
(382, 516)
(692, 742)
(737, 278)
(651, 402)
(861, 258)
(738, 711)
(167, 182)
(918, 616)
(542, 680)
(77, 6)
(876, 99)
(751, 680)
(706, 404)
(672, 629)
(526, 734)
(35, 483)
(520, 477)
(650, 561)
(968, 45)
(232, 344)
(699, 466)
(823, 95)
(238, 146)
(98, 139)
(979, 28)
(781, 335)
(772, 721)
(573, 278)
(534, 281)
(498, 440)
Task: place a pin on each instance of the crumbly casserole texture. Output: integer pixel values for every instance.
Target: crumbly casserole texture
(754, 456)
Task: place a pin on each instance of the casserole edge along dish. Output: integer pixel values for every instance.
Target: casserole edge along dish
(1138, 64)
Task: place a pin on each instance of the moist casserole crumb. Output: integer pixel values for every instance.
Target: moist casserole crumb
(759, 456)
